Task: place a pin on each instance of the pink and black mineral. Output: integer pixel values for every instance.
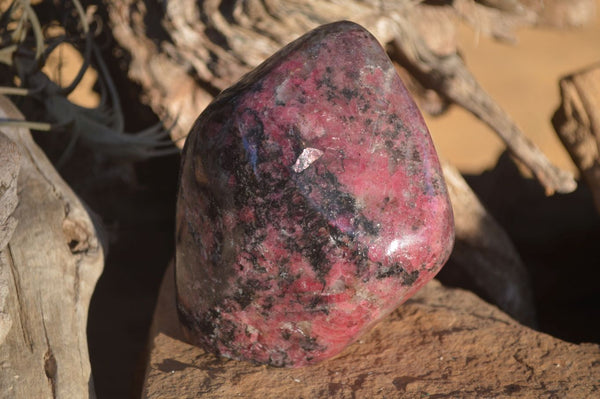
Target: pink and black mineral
(311, 204)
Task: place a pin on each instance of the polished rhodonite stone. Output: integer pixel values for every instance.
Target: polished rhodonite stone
(311, 203)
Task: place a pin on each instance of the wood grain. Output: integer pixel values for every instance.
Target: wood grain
(51, 265)
(577, 123)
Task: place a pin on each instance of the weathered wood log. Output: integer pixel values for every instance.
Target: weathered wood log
(10, 160)
(206, 46)
(577, 123)
(51, 265)
(441, 343)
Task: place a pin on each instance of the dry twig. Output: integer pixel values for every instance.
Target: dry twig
(206, 46)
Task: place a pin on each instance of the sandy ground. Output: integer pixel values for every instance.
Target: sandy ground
(523, 79)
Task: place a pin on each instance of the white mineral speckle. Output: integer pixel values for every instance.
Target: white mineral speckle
(308, 156)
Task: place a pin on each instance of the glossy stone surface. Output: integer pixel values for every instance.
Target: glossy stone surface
(311, 204)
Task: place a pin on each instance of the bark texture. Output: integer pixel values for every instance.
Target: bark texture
(184, 52)
(10, 159)
(577, 123)
(49, 269)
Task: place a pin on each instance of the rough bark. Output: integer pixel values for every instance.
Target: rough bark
(441, 343)
(204, 47)
(10, 160)
(577, 123)
(51, 265)
(185, 52)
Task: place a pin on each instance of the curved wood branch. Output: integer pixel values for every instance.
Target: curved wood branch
(448, 75)
(577, 123)
(10, 159)
(206, 46)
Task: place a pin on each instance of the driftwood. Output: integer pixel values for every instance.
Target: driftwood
(206, 46)
(577, 123)
(10, 160)
(184, 52)
(50, 266)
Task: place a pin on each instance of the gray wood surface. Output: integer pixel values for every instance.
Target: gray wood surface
(49, 267)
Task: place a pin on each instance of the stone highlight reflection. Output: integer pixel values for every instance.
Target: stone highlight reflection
(311, 203)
